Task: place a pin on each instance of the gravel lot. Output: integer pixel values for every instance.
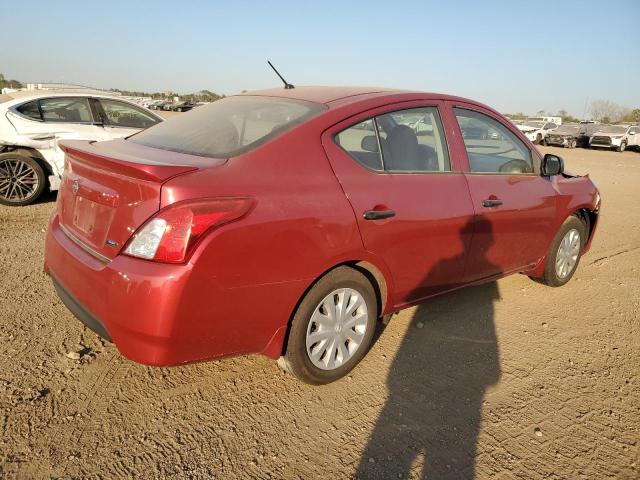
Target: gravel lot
(507, 380)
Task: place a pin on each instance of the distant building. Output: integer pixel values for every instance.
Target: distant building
(61, 86)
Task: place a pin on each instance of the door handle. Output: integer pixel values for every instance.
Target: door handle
(378, 214)
(491, 202)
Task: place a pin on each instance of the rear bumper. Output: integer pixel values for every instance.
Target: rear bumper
(132, 303)
(80, 312)
(162, 314)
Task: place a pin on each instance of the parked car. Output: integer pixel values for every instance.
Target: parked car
(585, 133)
(536, 131)
(556, 120)
(564, 136)
(220, 233)
(183, 106)
(32, 123)
(616, 137)
(157, 104)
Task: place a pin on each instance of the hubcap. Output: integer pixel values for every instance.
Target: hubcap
(568, 252)
(18, 180)
(336, 329)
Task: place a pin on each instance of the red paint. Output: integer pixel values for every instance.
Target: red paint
(238, 289)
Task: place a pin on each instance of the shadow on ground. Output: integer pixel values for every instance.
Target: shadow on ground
(431, 419)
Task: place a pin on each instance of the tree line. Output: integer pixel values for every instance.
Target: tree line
(603, 111)
(5, 83)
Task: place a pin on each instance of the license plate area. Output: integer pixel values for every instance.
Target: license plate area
(91, 220)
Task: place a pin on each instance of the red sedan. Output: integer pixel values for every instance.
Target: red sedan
(287, 222)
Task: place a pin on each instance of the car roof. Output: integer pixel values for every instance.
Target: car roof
(318, 94)
(34, 94)
(344, 95)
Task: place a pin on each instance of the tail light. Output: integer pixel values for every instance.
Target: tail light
(171, 234)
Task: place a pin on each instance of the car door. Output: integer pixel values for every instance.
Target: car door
(411, 203)
(122, 119)
(633, 136)
(513, 204)
(46, 121)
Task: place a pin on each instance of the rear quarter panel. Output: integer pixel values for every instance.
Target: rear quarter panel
(249, 275)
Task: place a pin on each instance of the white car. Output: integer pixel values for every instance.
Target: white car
(535, 130)
(33, 121)
(617, 137)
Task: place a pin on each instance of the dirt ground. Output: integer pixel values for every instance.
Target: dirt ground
(507, 380)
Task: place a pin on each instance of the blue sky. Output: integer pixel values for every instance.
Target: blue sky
(515, 56)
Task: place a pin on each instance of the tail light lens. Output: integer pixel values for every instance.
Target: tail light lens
(171, 234)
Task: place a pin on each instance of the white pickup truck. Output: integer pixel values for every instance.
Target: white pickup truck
(617, 137)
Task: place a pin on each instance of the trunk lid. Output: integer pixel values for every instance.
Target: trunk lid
(109, 189)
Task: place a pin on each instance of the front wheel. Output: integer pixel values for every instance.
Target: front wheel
(332, 328)
(564, 253)
(622, 147)
(538, 139)
(22, 179)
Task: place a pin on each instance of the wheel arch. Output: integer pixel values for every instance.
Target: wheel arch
(34, 154)
(589, 218)
(379, 281)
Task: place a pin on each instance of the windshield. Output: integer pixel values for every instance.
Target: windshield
(613, 129)
(227, 127)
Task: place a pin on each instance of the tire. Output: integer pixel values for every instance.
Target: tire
(538, 139)
(554, 275)
(22, 179)
(311, 318)
(573, 143)
(622, 147)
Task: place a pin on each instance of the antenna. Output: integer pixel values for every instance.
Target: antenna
(287, 86)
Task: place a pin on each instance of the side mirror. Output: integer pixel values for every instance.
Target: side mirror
(369, 143)
(551, 165)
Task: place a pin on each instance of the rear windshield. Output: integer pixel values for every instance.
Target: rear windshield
(227, 127)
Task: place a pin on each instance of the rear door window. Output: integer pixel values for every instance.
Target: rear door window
(361, 143)
(30, 109)
(409, 141)
(411, 145)
(68, 110)
(121, 114)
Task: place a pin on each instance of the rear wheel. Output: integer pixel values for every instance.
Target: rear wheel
(332, 328)
(22, 179)
(564, 253)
